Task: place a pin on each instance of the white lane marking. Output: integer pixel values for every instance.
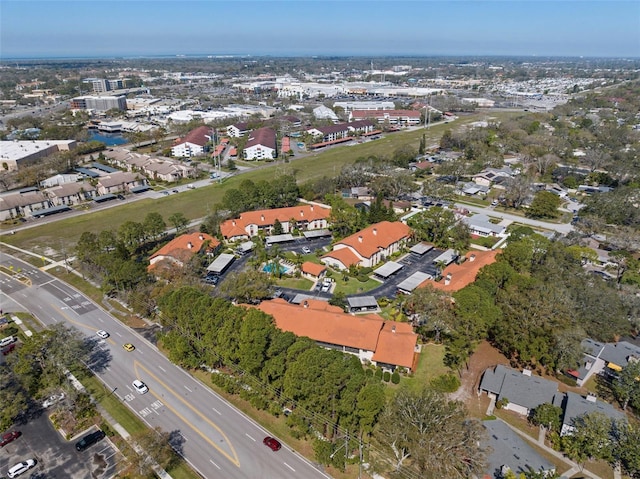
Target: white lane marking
(118, 334)
(289, 466)
(188, 389)
(162, 369)
(100, 319)
(249, 437)
(218, 412)
(214, 463)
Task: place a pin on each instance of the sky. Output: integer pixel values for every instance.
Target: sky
(93, 28)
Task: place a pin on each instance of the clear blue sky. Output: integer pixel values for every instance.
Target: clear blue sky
(605, 28)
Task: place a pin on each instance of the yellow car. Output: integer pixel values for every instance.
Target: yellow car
(128, 347)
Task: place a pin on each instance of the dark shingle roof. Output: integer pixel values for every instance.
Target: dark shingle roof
(518, 388)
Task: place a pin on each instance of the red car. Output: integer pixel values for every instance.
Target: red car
(9, 437)
(272, 443)
(8, 349)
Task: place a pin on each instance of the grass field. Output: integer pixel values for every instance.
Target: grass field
(54, 238)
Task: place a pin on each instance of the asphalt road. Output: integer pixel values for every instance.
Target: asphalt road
(214, 437)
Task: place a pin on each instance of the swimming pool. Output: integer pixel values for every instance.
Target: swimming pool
(268, 268)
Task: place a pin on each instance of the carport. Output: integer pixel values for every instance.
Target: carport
(412, 282)
(313, 234)
(221, 263)
(421, 248)
(446, 258)
(283, 238)
(140, 188)
(388, 269)
(357, 304)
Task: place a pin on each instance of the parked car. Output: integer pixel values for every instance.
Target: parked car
(9, 437)
(140, 386)
(53, 399)
(272, 443)
(89, 440)
(306, 250)
(21, 467)
(8, 349)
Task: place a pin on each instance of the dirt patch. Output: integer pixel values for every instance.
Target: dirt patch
(485, 356)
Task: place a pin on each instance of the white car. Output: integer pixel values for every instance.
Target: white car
(102, 334)
(53, 399)
(140, 386)
(306, 250)
(18, 469)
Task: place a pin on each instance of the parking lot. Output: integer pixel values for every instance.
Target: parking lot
(54, 456)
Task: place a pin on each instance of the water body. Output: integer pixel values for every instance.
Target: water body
(109, 139)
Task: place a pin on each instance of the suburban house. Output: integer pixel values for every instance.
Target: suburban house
(522, 390)
(508, 451)
(261, 145)
(22, 204)
(193, 144)
(479, 225)
(250, 223)
(604, 358)
(472, 189)
(457, 276)
(392, 117)
(369, 246)
(119, 182)
(238, 129)
(574, 405)
(358, 192)
(71, 193)
(492, 176)
(388, 344)
(181, 249)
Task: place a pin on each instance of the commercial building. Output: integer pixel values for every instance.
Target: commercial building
(18, 154)
(99, 103)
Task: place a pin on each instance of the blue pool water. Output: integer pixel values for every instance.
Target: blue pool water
(268, 268)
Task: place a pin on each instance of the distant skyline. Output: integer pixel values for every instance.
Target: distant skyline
(88, 28)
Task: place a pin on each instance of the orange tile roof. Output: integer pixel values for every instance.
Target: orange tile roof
(327, 324)
(463, 274)
(268, 217)
(330, 324)
(368, 241)
(314, 269)
(344, 255)
(178, 248)
(396, 345)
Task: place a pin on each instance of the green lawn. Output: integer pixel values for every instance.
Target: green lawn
(430, 366)
(53, 238)
(353, 286)
(296, 283)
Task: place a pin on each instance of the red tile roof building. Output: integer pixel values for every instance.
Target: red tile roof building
(250, 223)
(369, 246)
(181, 249)
(388, 344)
(193, 144)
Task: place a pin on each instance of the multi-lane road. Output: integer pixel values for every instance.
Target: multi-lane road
(214, 437)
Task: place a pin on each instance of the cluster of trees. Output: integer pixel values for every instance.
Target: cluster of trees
(347, 219)
(326, 392)
(279, 193)
(274, 369)
(37, 368)
(117, 259)
(440, 226)
(535, 304)
(594, 437)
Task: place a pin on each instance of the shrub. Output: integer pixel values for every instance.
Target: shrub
(445, 383)
(395, 378)
(368, 373)
(378, 374)
(386, 376)
(363, 278)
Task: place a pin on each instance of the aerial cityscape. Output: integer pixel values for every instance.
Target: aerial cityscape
(343, 239)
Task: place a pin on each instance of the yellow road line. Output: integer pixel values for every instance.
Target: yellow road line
(233, 459)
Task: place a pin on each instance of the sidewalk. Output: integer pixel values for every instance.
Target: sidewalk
(573, 467)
